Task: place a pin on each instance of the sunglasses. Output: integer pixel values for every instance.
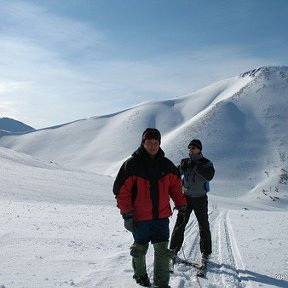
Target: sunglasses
(193, 148)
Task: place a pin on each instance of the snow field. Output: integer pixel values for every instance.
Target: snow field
(62, 245)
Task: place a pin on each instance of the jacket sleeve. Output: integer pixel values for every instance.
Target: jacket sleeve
(124, 199)
(176, 192)
(120, 178)
(206, 170)
(122, 188)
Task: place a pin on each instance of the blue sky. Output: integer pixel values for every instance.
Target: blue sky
(71, 59)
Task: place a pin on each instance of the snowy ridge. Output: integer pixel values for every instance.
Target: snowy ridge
(59, 223)
(247, 112)
(10, 126)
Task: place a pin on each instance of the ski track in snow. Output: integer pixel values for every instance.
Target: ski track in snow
(225, 268)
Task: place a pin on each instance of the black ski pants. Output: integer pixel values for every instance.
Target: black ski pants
(200, 207)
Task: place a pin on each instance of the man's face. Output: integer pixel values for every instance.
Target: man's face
(151, 146)
(193, 150)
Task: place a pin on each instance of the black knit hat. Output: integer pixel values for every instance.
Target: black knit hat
(195, 142)
(151, 133)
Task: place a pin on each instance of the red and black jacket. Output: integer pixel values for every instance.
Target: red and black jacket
(144, 185)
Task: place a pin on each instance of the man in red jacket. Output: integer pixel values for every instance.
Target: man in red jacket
(143, 188)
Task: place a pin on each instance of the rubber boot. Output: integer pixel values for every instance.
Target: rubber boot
(161, 265)
(138, 253)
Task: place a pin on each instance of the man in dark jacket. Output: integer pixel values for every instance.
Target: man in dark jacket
(143, 187)
(196, 171)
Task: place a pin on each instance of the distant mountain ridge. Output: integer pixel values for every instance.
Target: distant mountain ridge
(267, 72)
(9, 125)
(241, 121)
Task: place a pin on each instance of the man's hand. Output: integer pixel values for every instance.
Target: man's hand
(187, 163)
(182, 208)
(182, 211)
(184, 164)
(129, 221)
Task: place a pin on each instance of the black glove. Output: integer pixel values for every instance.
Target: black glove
(182, 210)
(187, 163)
(128, 221)
(184, 163)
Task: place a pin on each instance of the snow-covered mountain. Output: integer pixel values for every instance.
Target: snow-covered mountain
(242, 122)
(9, 125)
(60, 226)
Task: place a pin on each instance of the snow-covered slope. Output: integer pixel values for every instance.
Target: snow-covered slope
(25, 178)
(59, 223)
(89, 143)
(61, 228)
(241, 121)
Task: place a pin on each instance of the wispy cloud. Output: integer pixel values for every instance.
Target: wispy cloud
(39, 48)
(41, 27)
(53, 68)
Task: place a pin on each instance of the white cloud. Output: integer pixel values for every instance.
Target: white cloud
(61, 60)
(42, 28)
